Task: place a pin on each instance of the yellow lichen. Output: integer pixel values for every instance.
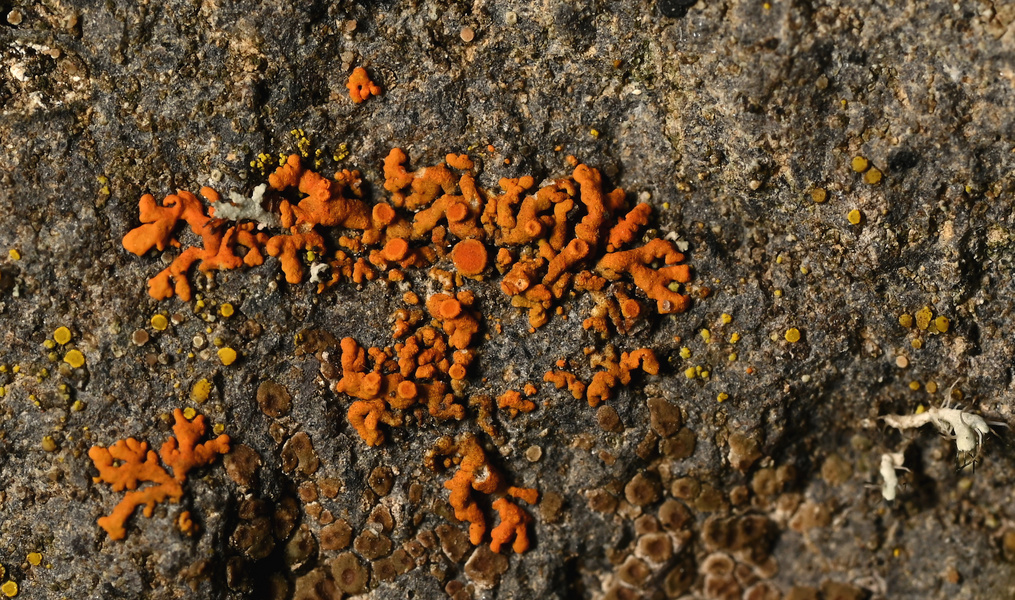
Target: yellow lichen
(34, 558)
(160, 322)
(859, 164)
(906, 320)
(854, 217)
(793, 335)
(74, 358)
(873, 176)
(942, 323)
(14, 254)
(819, 195)
(726, 318)
(62, 335)
(722, 397)
(9, 589)
(201, 390)
(226, 310)
(923, 317)
(227, 356)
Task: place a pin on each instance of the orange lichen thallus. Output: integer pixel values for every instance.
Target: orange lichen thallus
(475, 473)
(360, 86)
(128, 463)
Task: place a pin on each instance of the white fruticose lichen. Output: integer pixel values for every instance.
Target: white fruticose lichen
(240, 208)
(965, 427)
(890, 461)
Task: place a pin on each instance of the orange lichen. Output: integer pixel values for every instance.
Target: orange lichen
(514, 403)
(513, 523)
(360, 86)
(654, 282)
(128, 463)
(469, 257)
(565, 378)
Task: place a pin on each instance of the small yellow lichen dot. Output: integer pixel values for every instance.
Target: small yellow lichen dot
(14, 254)
(872, 177)
(3, 391)
(942, 323)
(923, 317)
(778, 293)
(227, 356)
(3, 571)
(62, 335)
(690, 372)
(49, 344)
(49, 445)
(722, 397)
(594, 133)
(9, 589)
(226, 310)
(685, 352)
(201, 390)
(16, 368)
(854, 216)
(920, 409)
(706, 335)
(819, 195)
(726, 318)
(916, 344)
(160, 322)
(859, 164)
(906, 320)
(793, 335)
(74, 358)
(218, 428)
(189, 413)
(734, 338)
(78, 406)
(34, 558)
(931, 387)
(733, 356)
(914, 385)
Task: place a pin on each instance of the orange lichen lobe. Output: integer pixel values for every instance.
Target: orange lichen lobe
(128, 463)
(513, 523)
(654, 282)
(360, 85)
(514, 403)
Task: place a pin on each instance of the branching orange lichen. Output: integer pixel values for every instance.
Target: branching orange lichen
(513, 401)
(514, 523)
(654, 282)
(128, 463)
(361, 87)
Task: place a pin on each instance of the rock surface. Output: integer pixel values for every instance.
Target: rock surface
(754, 129)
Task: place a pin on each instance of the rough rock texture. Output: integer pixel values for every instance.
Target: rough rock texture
(739, 121)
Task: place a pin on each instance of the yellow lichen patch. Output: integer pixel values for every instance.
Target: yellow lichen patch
(923, 317)
(931, 387)
(685, 352)
(48, 443)
(160, 322)
(227, 355)
(854, 217)
(916, 344)
(734, 338)
(690, 372)
(873, 176)
(793, 335)
(74, 358)
(819, 195)
(14, 254)
(706, 335)
(201, 390)
(722, 397)
(226, 310)
(859, 164)
(906, 320)
(9, 589)
(62, 335)
(942, 323)
(189, 413)
(914, 385)
(726, 318)
(34, 558)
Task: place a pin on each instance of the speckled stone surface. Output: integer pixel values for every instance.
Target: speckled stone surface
(732, 119)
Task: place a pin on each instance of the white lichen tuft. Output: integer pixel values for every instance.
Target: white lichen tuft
(317, 270)
(890, 461)
(965, 427)
(241, 208)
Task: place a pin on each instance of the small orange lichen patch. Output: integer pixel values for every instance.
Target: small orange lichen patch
(469, 257)
(515, 403)
(360, 86)
(128, 463)
(513, 523)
